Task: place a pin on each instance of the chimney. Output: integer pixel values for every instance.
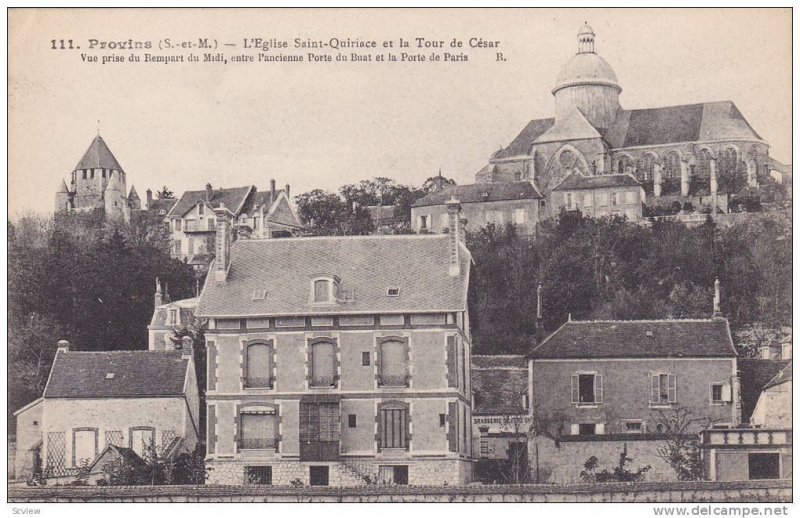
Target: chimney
(286, 190)
(717, 312)
(208, 193)
(223, 245)
(149, 198)
(63, 346)
(538, 327)
(187, 347)
(158, 298)
(454, 235)
(272, 188)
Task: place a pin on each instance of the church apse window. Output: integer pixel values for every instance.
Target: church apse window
(644, 168)
(623, 164)
(672, 168)
(703, 167)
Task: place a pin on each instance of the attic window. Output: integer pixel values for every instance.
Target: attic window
(324, 290)
(649, 333)
(260, 294)
(393, 291)
(110, 376)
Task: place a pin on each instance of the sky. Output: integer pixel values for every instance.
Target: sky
(322, 125)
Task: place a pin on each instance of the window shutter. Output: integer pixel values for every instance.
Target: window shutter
(598, 388)
(211, 374)
(653, 388)
(452, 431)
(672, 389)
(211, 427)
(574, 429)
(726, 392)
(452, 368)
(575, 391)
(600, 428)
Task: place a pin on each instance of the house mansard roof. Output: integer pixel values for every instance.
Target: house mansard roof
(366, 266)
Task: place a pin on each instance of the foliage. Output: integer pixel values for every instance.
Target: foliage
(620, 473)
(164, 192)
(80, 278)
(327, 214)
(680, 447)
(610, 268)
(155, 469)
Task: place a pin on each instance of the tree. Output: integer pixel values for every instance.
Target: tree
(327, 214)
(620, 472)
(165, 193)
(680, 446)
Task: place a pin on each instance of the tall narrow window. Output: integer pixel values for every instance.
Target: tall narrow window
(143, 441)
(85, 446)
(703, 167)
(587, 388)
(673, 166)
(393, 423)
(178, 224)
(201, 209)
(394, 364)
(663, 389)
(258, 365)
(323, 364)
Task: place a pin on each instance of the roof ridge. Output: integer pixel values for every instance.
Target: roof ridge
(647, 320)
(498, 355)
(372, 236)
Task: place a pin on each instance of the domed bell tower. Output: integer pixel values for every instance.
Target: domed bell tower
(587, 83)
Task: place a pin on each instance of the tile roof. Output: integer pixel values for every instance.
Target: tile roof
(575, 181)
(631, 339)
(233, 198)
(263, 199)
(136, 374)
(573, 126)
(165, 204)
(651, 126)
(481, 192)
(782, 377)
(366, 266)
(98, 156)
(499, 390)
(187, 308)
(754, 376)
(490, 361)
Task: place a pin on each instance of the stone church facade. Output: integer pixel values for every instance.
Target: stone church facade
(695, 153)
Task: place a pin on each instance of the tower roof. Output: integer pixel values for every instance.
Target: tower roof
(586, 66)
(98, 156)
(63, 187)
(133, 195)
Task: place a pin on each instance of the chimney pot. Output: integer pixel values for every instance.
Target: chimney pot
(717, 312)
(63, 346)
(286, 190)
(149, 198)
(208, 192)
(455, 235)
(272, 187)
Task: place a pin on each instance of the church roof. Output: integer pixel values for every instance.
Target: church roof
(481, 192)
(586, 68)
(574, 126)
(698, 122)
(683, 123)
(98, 156)
(575, 181)
(116, 374)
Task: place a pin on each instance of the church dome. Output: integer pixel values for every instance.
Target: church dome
(586, 67)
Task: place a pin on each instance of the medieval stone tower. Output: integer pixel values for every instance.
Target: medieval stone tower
(98, 182)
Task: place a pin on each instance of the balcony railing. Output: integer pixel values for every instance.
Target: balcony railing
(258, 443)
(323, 381)
(258, 382)
(393, 381)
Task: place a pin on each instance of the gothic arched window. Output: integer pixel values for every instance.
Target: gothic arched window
(622, 164)
(729, 161)
(673, 166)
(703, 167)
(644, 168)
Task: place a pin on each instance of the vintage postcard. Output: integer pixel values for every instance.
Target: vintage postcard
(400, 255)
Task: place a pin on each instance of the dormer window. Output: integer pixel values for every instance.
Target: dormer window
(201, 209)
(392, 291)
(324, 290)
(173, 316)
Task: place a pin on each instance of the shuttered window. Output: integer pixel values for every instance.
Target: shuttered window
(323, 364)
(258, 365)
(319, 422)
(258, 430)
(394, 364)
(663, 389)
(452, 359)
(587, 388)
(393, 428)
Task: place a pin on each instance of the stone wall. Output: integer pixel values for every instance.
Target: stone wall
(347, 473)
(674, 492)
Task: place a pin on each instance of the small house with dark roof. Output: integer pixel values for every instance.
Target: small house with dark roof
(699, 153)
(482, 204)
(598, 196)
(132, 399)
(601, 386)
(253, 214)
(332, 359)
(501, 415)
